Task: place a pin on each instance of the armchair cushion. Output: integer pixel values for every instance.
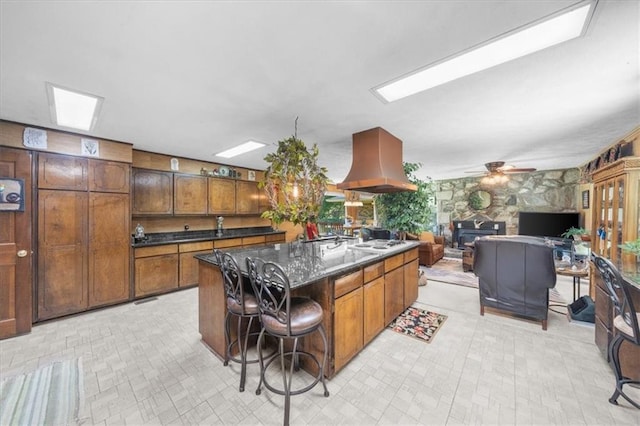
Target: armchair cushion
(427, 237)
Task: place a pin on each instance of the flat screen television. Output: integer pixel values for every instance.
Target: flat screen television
(542, 224)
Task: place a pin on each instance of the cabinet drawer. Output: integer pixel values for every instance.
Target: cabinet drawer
(393, 262)
(410, 255)
(347, 283)
(231, 242)
(156, 250)
(604, 310)
(374, 271)
(274, 238)
(258, 239)
(201, 245)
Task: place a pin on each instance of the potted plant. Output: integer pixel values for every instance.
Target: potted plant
(631, 246)
(293, 182)
(407, 211)
(579, 234)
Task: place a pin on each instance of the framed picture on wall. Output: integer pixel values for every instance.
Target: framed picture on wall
(585, 199)
(11, 195)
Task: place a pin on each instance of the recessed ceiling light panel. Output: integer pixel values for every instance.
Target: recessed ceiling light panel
(73, 109)
(240, 149)
(562, 26)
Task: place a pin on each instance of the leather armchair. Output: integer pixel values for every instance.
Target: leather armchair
(431, 247)
(515, 274)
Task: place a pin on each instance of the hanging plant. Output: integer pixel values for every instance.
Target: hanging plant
(293, 182)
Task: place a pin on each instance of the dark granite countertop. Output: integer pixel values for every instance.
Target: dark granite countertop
(161, 238)
(630, 271)
(306, 263)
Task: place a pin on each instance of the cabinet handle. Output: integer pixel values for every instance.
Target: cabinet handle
(22, 253)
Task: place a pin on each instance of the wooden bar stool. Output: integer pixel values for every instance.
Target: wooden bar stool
(625, 322)
(285, 318)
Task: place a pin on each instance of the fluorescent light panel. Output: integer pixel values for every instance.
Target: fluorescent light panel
(240, 149)
(73, 109)
(560, 27)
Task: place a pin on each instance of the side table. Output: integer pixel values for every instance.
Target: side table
(576, 274)
(467, 259)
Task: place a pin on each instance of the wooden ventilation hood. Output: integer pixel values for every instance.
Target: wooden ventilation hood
(376, 165)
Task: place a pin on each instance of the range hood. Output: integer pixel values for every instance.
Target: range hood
(377, 164)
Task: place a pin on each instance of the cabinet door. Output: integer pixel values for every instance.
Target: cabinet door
(348, 327)
(152, 192)
(222, 196)
(189, 194)
(109, 176)
(189, 268)
(393, 294)
(410, 283)
(109, 256)
(373, 309)
(62, 172)
(247, 198)
(62, 253)
(156, 274)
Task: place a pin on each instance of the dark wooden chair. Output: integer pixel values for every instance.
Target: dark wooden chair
(625, 322)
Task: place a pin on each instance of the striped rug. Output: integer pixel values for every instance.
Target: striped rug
(51, 395)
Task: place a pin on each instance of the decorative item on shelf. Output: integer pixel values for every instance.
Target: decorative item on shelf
(203, 172)
(293, 166)
(223, 171)
(175, 164)
(251, 175)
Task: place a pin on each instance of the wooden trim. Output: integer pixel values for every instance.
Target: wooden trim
(155, 250)
(614, 169)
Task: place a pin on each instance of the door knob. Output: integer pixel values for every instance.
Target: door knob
(22, 253)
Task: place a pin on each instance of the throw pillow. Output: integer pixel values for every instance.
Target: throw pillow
(428, 237)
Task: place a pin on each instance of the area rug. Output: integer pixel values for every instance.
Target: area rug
(51, 395)
(418, 323)
(449, 270)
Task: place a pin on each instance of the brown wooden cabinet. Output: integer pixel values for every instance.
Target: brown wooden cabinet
(83, 234)
(189, 264)
(411, 268)
(152, 192)
(222, 196)
(393, 287)
(348, 327)
(373, 309)
(109, 258)
(62, 253)
(189, 195)
(156, 269)
(247, 197)
(56, 171)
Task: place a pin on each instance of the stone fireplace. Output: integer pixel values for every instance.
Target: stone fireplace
(466, 231)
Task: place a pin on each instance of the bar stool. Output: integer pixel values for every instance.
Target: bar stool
(285, 318)
(626, 319)
(242, 305)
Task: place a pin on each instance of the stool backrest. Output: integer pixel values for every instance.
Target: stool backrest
(619, 293)
(231, 277)
(271, 287)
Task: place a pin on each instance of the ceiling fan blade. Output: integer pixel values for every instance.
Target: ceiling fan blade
(476, 171)
(518, 170)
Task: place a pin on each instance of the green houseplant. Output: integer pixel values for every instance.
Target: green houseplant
(575, 233)
(408, 211)
(293, 182)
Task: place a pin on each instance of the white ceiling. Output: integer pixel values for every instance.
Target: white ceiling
(191, 78)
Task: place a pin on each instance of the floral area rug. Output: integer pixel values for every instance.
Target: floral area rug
(418, 323)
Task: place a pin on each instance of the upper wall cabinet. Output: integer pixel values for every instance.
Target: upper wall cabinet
(222, 196)
(189, 195)
(247, 197)
(109, 176)
(57, 171)
(152, 192)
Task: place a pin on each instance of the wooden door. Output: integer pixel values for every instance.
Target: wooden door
(348, 327)
(189, 194)
(152, 192)
(109, 257)
(16, 254)
(222, 196)
(62, 253)
(410, 282)
(189, 268)
(56, 171)
(393, 294)
(373, 309)
(156, 274)
(109, 176)
(247, 198)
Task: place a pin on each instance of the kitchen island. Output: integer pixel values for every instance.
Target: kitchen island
(361, 288)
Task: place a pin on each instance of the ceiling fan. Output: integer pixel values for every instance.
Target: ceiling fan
(496, 171)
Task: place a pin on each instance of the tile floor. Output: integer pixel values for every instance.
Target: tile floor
(145, 364)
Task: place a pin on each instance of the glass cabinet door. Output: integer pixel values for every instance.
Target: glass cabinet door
(619, 219)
